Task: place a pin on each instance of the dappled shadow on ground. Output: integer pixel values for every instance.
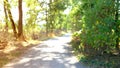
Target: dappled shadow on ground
(53, 53)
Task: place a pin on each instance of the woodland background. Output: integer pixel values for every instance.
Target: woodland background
(95, 25)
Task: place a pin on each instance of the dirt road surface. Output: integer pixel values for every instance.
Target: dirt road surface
(52, 53)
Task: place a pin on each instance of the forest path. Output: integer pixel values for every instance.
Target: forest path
(52, 53)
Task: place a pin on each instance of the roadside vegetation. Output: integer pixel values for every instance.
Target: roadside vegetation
(96, 38)
(95, 25)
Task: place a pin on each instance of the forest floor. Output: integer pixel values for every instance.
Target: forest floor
(52, 53)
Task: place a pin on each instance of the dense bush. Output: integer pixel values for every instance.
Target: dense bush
(99, 28)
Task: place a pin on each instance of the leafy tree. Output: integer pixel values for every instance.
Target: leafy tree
(7, 8)
(54, 14)
(6, 16)
(32, 17)
(117, 23)
(99, 24)
(7, 11)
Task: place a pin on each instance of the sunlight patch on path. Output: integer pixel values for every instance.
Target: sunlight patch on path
(52, 53)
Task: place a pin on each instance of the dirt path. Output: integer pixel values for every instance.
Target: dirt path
(53, 53)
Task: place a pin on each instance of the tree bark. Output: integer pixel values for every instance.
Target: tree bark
(11, 18)
(50, 17)
(20, 22)
(46, 22)
(6, 16)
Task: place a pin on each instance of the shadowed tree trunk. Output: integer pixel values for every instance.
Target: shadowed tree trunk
(6, 16)
(46, 23)
(50, 17)
(11, 18)
(20, 23)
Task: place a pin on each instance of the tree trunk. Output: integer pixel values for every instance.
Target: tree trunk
(6, 16)
(46, 22)
(117, 24)
(20, 25)
(11, 18)
(50, 17)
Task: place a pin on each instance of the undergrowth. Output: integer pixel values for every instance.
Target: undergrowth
(92, 57)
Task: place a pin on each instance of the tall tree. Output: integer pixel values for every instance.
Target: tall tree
(55, 13)
(20, 22)
(99, 27)
(6, 15)
(51, 25)
(11, 18)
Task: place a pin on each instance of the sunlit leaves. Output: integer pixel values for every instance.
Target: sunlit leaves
(97, 21)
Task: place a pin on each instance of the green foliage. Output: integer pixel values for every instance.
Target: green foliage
(98, 23)
(76, 41)
(55, 17)
(32, 15)
(105, 61)
(76, 15)
(59, 5)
